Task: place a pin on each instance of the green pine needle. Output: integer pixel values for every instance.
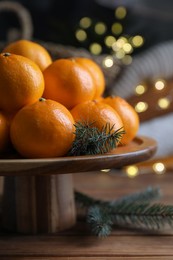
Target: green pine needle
(133, 215)
(134, 211)
(148, 194)
(143, 215)
(100, 222)
(90, 140)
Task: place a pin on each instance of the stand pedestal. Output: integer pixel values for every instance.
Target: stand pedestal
(38, 194)
(38, 204)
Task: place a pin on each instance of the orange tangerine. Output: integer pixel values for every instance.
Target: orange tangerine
(32, 50)
(97, 114)
(43, 129)
(21, 82)
(69, 82)
(128, 115)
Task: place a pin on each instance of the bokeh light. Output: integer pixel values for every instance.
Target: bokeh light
(141, 107)
(120, 12)
(95, 48)
(85, 22)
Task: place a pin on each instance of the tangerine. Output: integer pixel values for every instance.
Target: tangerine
(4, 133)
(97, 114)
(31, 50)
(96, 73)
(128, 115)
(21, 82)
(43, 129)
(68, 82)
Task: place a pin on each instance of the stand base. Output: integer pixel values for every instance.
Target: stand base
(38, 204)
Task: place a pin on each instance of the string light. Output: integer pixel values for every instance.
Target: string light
(120, 54)
(159, 84)
(117, 28)
(120, 46)
(132, 171)
(85, 22)
(127, 59)
(105, 170)
(109, 40)
(140, 89)
(81, 35)
(163, 103)
(137, 41)
(120, 42)
(100, 28)
(141, 107)
(127, 47)
(120, 12)
(108, 62)
(95, 48)
(159, 168)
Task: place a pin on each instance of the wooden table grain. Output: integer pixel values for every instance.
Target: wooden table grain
(78, 244)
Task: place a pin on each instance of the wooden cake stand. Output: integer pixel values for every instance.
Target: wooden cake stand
(38, 194)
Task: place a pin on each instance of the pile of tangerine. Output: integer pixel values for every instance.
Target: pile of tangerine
(41, 99)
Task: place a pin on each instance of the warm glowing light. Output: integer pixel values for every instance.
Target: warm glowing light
(140, 89)
(120, 12)
(120, 42)
(160, 84)
(120, 54)
(100, 28)
(105, 170)
(108, 62)
(127, 59)
(159, 168)
(163, 103)
(85, 22)
(116, 46)
(117, 28)
(141, 107)
(81, 35)
(127, 47)
(132, 171)
(95, 48)
(137, 41)
(110, 40)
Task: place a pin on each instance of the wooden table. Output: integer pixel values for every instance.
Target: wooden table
(77, 243)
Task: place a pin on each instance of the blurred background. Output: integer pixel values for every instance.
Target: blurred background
(135, 36)
(85, 23)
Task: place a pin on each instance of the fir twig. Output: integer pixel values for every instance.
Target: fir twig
(148, 194)
(143, 215)
(133, 210)
(136, 215)
(100, 221)
(90, 140)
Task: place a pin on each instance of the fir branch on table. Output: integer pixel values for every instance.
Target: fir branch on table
(133, 215)
(90, 140)
(148, 194)
(100, 221)
(133, 210)
(144, 215)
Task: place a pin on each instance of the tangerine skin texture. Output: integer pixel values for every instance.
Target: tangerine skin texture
(98, 114)
(32, 51)
(4, 133)
(128, 115)
(21, 82)
(96, 73)
(68, 82)
(44, 129)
